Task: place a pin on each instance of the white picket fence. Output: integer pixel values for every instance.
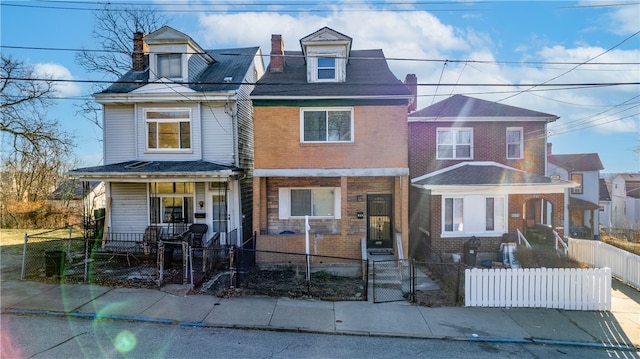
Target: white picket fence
(623, 264)
(561, 288)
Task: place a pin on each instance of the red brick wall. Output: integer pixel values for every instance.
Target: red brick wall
(380, 140)
(489, 144)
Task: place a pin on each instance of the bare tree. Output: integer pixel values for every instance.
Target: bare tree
(34, 148)
(24, 100)
(113, 33)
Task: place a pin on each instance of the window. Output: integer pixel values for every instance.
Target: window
(315, 203)
(473, 215)
(326, 68)
(454, 143)
(577, 179)
(168, 129)
(331, 125)
(321, 202)
(169, 65)
(494, 214)
(453, 219)
(514, 143)
(171, 202)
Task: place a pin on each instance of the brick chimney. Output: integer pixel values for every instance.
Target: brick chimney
(411, 81)
(140, 55)
(276, 62)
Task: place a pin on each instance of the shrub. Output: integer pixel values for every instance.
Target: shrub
(544, 257)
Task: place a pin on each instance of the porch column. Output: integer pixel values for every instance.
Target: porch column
(344, 204)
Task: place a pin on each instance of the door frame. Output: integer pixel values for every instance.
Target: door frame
(387, 209)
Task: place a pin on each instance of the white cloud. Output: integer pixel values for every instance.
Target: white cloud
(58, 72)
(625, 19)
(418, 37)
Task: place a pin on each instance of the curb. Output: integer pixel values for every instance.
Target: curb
(301, 330)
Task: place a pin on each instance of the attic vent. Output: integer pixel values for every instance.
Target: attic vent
(138, 164)
(227, 79)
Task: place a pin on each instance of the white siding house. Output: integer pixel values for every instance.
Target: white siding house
(176, 146)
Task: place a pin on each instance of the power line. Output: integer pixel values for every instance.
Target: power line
(568, 85)
(415, 59)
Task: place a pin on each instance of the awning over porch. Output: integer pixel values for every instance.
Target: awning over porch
(488, 177)
(578, 203)
(145, 170)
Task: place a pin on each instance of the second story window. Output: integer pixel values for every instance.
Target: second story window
(326, 68)
(454, 143)
(577, 179)
(326, 125)
(514, 143)
(168, 129)
(169, 66)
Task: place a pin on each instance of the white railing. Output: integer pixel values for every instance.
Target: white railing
(623, 264)
(521, 239)
(559, 240)
(561, 288)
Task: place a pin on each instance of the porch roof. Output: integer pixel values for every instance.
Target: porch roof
(582, 204)
(488, 177)
(146, 170)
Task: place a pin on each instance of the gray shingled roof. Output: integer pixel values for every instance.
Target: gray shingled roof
(482, 175)
(368, 75)
(129, 168)
(578, 162)
(232, 63)
(465, 106)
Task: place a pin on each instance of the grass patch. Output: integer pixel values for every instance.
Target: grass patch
(622, 244)
(545, 258)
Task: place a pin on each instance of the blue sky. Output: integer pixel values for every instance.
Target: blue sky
(486, 42)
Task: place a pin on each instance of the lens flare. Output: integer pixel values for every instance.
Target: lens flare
(125, 341)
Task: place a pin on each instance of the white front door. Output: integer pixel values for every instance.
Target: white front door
(223, 219)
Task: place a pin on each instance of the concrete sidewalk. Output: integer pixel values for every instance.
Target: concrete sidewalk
(619, 328)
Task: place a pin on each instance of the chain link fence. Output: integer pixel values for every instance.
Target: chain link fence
(393, 280)
(66, 255)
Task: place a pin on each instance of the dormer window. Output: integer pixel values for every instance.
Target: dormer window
(169, 66)
(326, 68)
(326, 53)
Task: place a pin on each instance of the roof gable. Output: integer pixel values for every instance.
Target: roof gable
(325, 36)
(578, 162)
(460, 106)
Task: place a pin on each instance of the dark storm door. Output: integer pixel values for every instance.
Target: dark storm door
(379, 219)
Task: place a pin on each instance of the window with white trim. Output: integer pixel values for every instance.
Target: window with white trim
(515, 143)
(326, 125)
(454, 143)
(168, 129)
(326, 68)
(171, 202)
(315, 202)
(473, 215)
(169, 65)
(577, 179)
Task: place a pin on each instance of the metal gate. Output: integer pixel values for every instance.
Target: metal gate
(393, 281)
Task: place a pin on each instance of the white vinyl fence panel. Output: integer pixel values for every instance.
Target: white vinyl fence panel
(561, 288)
(623, 264)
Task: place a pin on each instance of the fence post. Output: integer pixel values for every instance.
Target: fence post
(232, 267)
(24, 255)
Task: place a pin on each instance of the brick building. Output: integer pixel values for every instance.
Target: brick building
(330, 143)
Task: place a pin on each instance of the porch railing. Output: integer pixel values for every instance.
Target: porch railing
(559, 240)
(522, 238)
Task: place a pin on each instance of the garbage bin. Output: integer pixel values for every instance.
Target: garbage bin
(54, 263)
(471, 250)
(168, 257)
